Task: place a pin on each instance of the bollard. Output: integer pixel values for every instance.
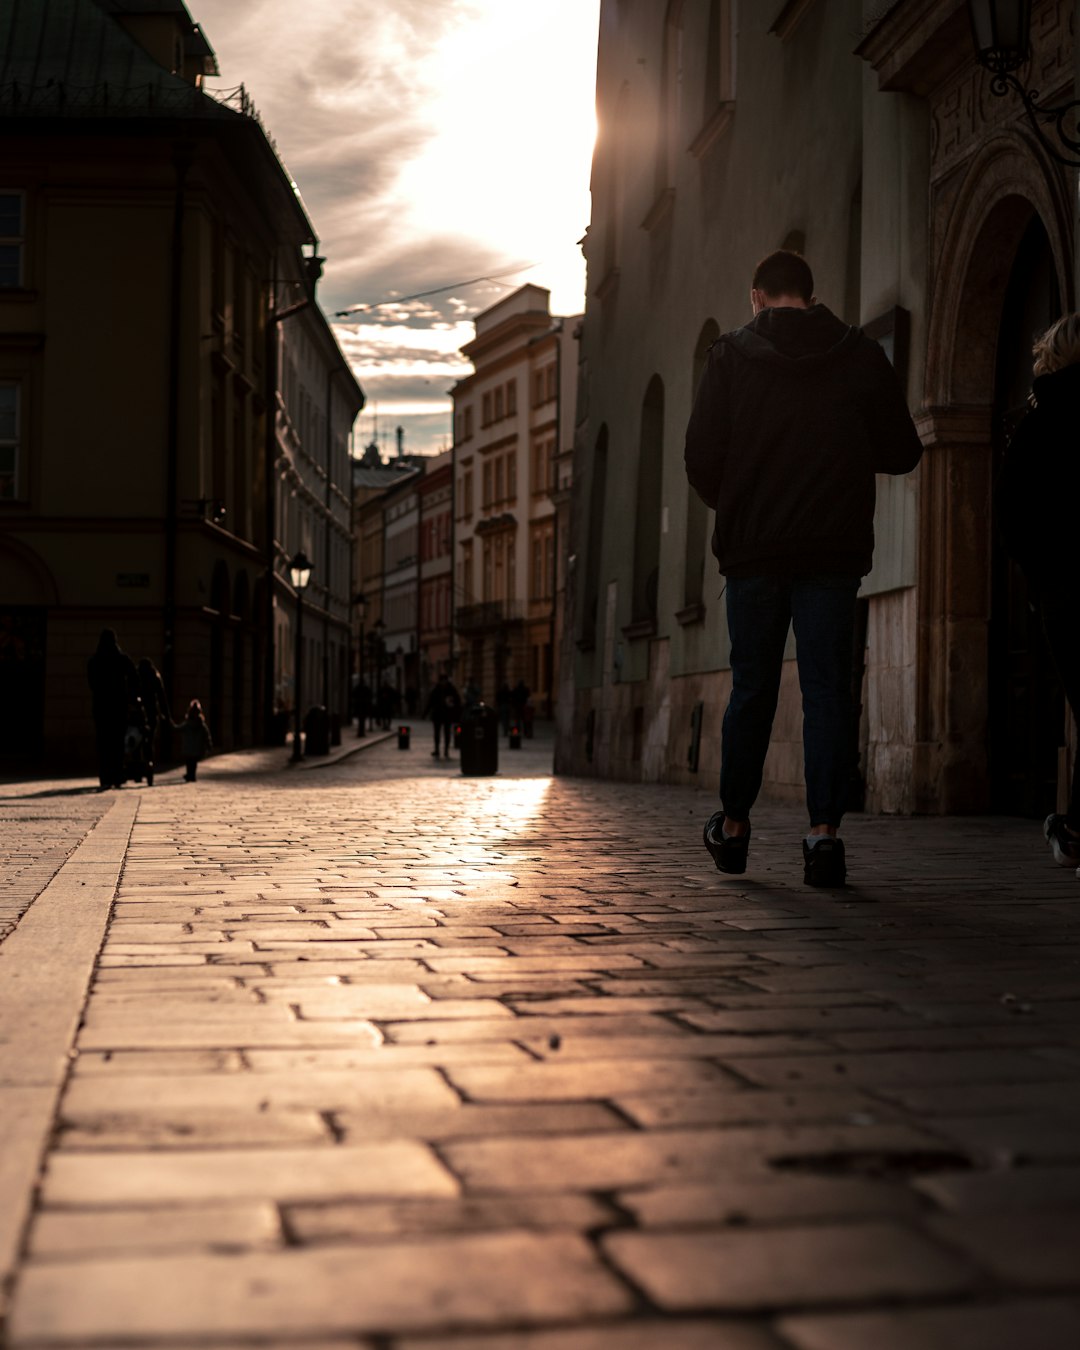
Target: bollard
(515, 736)
(457, 735)
(403, 737)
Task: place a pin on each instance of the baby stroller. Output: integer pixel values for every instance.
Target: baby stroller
(138, 752)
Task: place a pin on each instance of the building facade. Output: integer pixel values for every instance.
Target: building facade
(152, 251)
(865, 136)
(513, 427)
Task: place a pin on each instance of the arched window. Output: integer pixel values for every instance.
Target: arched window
(649, 505)
(697, 513)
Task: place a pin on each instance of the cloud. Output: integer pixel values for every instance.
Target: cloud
(433, 141)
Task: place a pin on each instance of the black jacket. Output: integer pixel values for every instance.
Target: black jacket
(1036, 493)
(443, 703)
(794, 415)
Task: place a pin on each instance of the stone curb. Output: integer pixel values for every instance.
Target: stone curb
(46, 966)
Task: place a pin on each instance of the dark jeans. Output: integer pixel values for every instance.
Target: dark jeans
(1058, 609)
(445, 728)
(760, 610)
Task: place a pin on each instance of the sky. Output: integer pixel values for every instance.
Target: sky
(433, 142)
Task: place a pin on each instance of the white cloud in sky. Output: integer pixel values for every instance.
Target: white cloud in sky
(433, 141)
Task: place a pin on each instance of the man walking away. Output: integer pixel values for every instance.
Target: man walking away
(795, 414)
(444, 709)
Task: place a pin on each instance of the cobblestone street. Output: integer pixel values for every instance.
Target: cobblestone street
(376, 1056)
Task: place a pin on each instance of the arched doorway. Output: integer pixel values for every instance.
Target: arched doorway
(988, 259)
(1026, 702)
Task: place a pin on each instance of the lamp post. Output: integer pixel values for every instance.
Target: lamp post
(361, 709)
(1001, 33)
(299, 575)
(376, 643)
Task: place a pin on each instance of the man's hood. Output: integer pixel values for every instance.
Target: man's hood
(797, 339)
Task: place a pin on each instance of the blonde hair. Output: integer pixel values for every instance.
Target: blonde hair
(1059, 346)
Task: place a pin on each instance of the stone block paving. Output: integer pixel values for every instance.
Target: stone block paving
(37, 836)
(384, 1057)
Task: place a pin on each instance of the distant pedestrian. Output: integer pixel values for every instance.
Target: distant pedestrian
(389, 698)
(504, 702)
(155, 707)
(794, 415)
(444, 708)
(113, 689)
(195, 740)
(1036, 504)
(519, 699)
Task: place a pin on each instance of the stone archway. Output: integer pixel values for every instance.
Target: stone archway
(980, 226)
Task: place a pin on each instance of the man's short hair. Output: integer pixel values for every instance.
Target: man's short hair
(784, 273)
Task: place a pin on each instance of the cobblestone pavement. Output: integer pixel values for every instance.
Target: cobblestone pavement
(384, 1057)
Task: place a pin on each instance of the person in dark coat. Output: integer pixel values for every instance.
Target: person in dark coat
(113, 688)
(519, 698)
(444, 708)
(1035, 506)
(504, 700)
(795, 414)
(155, 710)
(195, 739)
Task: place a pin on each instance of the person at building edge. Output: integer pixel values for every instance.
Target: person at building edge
(1035, 507)
(795, 414)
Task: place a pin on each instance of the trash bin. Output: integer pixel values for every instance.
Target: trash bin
(403, 733)
(480, 741)
(515, 736)
(457, 735)
(317, 731)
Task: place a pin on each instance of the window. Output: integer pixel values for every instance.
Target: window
(11, 240)
(544, 385)
(487, 497)
(499, 485)
(468, 505)
(511, 398)
(542, 562)
(719, 85)
(10, 401)
(485, 413)
(511, 477)
(499, 403)
(468, 422)
(542, 460)
(466, 582)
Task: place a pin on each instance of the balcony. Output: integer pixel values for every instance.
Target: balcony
(489, 614)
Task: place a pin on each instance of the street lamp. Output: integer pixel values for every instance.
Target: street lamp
(299, 575)
(360, 601)
(1001, 32)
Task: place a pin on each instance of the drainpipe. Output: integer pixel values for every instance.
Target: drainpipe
(182, 158)
(270, 503)
(552, 666)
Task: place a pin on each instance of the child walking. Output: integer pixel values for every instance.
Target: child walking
(194, 738)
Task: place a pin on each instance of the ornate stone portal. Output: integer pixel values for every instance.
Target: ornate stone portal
(989, 178)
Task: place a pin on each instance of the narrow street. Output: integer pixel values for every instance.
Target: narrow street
(373, 1055)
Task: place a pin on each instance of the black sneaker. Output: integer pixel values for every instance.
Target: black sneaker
(728, 854)
(824, 865)
(1064, 846)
